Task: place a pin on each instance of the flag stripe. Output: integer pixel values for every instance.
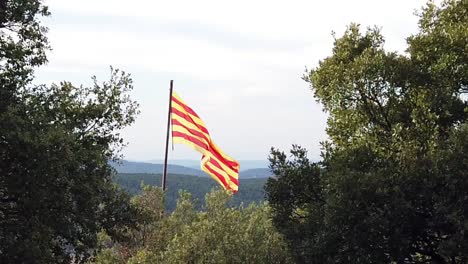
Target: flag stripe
(223, 158)
(188, 125)
(217, 177)
(214, 173)
(182, 109)
(179, 101)
(228, 163)
(189, 143)
(192, 139)
(179, 131)
(229, 172)
(227, 157)
(188, 118)
(190, 129)
(232, 181)
(189, 136)
(185, 107)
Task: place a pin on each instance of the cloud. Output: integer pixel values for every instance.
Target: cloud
(237, 63)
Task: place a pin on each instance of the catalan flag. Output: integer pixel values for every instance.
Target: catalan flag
(189, 129)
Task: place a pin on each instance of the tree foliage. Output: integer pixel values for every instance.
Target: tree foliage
(56, 189)
(23, 44)
(218, 234)
(393, 180)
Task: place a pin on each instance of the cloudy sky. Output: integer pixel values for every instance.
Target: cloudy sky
(237, 63)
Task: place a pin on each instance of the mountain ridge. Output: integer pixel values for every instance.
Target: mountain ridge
(125, 166)
(244, 164)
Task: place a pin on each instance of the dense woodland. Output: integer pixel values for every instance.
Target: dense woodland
(391, 186)
(252, 189)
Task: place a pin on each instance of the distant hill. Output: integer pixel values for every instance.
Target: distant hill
(250, 190)
(244, 164)
(145, 167)
(255, 173)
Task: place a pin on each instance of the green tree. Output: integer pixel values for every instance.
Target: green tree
(392, 183)
(23, 44)
(56, 189)
(297, 200)
(219, 234)
(227, 235)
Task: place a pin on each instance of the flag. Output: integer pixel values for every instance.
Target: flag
(189, 129)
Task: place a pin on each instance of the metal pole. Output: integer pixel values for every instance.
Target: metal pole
(167, 138)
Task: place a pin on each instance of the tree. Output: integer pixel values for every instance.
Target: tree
(297, 200)
(219, 234)
(227, 235)
(23, 44)
(394, 174)
(56, 189)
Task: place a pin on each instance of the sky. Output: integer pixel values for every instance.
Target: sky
(238, 64)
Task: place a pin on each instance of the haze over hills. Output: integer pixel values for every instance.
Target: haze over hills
(126, 166)
(244, 164)
(143, 167)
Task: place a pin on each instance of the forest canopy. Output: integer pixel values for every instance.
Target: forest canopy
(391, 187)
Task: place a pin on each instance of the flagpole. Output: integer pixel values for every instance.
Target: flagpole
(167, 138)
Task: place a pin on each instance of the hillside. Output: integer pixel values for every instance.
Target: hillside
(255, 173)
(145, 167)
(250, 190)
(195, 164)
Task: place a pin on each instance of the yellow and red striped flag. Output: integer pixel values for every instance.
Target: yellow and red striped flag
(189, 129)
